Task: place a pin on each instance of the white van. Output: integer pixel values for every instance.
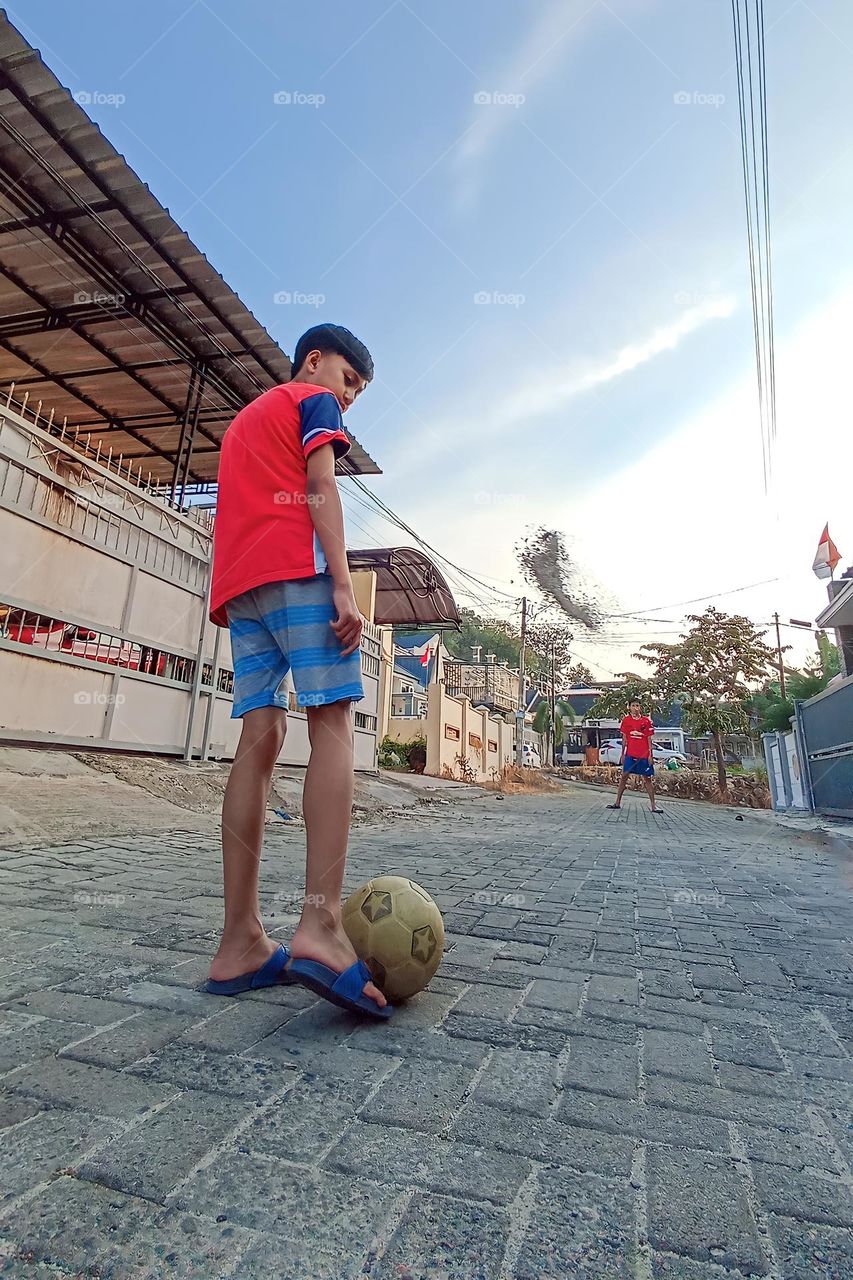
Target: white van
(530, 758)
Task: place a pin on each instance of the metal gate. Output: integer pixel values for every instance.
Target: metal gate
(826, 724)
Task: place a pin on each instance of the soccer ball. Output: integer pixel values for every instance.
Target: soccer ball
(398, 932)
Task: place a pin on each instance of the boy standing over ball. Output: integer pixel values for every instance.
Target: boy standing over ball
(282, 585)
(637, 756)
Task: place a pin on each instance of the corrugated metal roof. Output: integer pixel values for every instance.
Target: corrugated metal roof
(110, 314)
(410, 590)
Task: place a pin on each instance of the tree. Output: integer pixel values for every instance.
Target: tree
(613, 704)
(493, 635)
(772, 713)
(712, 672)
(548, 641)
(542, 723)
(579, 676)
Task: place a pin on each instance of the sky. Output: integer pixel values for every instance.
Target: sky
(534, 217)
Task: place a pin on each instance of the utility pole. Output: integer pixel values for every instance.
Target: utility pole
(779, 657)
(554, 707)
(520, 712)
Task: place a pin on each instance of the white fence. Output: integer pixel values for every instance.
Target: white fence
(104, 635)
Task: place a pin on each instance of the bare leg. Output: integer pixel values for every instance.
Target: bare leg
(650, 787)
(327, 808)
(620, 791)
(245, 945)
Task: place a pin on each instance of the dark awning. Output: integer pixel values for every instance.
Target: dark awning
(410, 590)
(109, 314)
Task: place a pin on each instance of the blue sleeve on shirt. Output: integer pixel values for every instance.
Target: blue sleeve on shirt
(319, 417)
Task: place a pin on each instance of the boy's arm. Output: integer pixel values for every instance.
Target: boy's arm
(327, 516)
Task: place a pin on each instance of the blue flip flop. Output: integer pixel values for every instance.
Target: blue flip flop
(346, 989)
(269, 975)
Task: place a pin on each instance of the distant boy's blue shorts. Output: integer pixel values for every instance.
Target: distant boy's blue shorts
(633, 764)
(285, 626)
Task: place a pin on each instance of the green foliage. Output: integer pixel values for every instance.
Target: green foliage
(711, 672)
(395, 755)
(542, 717)
(613, 704)
(771, 713)
(579, 675)
(492, 634)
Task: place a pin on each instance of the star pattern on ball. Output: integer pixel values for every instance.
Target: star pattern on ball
(423, 943)
(376, 906)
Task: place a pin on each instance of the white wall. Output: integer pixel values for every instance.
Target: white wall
(81, 545)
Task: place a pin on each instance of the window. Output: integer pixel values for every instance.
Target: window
(475, 741)
(451, 732)
(492, 745)
(225, 680)
(369, 664)
(364, 721)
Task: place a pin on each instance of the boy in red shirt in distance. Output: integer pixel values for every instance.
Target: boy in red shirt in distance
(282, 585)
(637, 756)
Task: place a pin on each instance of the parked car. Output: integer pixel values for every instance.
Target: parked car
(610, 752)
(530, 757)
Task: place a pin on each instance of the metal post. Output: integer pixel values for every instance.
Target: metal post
(211, 702)
(185, 419)
(519, 715)
(779, 656)
(553, 707)
(199, 665)
(191, 442)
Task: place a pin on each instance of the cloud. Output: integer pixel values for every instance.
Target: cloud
(559, 28)
(540, 395)
(545, 395)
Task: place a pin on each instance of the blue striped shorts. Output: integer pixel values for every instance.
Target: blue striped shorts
(281, 627)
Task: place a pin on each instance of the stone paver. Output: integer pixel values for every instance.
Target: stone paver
(634, 1063)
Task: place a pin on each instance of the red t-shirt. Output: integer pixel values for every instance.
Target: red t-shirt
(263, 530)
(638, 730)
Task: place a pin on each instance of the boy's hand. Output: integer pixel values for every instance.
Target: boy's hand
(348, 625)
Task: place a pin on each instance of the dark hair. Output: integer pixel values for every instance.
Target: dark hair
(333, 337)
(635, 702)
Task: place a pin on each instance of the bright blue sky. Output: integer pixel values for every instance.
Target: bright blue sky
(616, 212)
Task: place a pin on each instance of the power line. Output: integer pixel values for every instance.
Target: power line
(696, 600)
(752, 115)
(397, 520)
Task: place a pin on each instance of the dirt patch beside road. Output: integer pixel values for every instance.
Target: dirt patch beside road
(52, 796)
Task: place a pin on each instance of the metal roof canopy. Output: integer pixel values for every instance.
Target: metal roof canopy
(410, 590)
(110, 314)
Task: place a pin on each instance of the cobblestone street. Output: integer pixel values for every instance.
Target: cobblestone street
(635, 1060)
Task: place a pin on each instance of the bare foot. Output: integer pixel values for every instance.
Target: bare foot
(322, 938)
(241, 954)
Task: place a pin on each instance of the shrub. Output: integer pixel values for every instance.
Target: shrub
(395, 755)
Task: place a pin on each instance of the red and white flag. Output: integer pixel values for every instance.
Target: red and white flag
(425, 657)
(827, 556)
